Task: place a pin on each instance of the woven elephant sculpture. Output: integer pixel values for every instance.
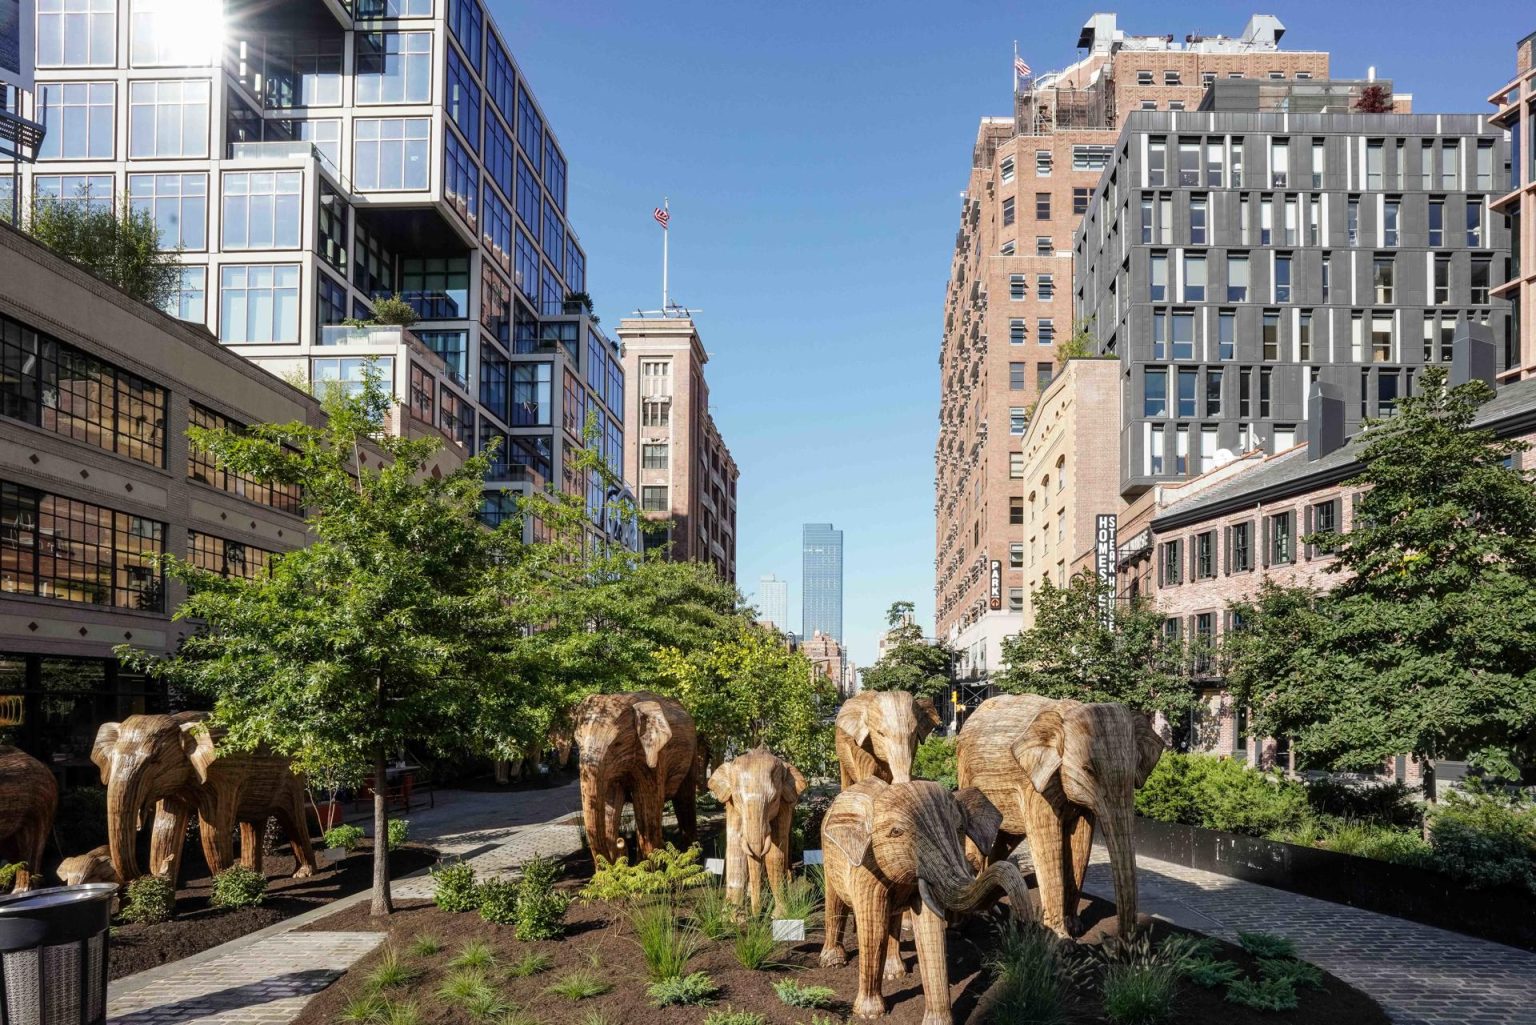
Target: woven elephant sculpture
(759, 791)
(28, 798)
(640, 748)
(878, 733)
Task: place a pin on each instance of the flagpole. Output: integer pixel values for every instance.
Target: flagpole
(1015, 67)
(666, 230)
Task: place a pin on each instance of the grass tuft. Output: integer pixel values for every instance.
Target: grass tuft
(754, 944)
(474, 954)
(581, 984)
(1139, 994)
(665, 942)
(390, 971)
(530, 964)
(801, 900)
(1263, 995)
(464, 986)
(425, 946)
(713, 915)
(730, 1016)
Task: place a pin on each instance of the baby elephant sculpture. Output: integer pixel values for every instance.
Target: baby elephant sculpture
(759, 791)
(640, 748)
(1056, 769)
(878, 733)
(94, 866)
(28, 795)
(895, 847)
(172, 761)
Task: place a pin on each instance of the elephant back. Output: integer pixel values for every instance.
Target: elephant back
(25, 784)
(984, 752)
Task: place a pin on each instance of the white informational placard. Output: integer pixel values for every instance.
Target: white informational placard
(715, 866)
(812, 858)
(18, 53)
(788, 930)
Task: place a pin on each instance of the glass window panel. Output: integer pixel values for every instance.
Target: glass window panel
(259, 303)
(177, 202)
(79, 116)
(394, 67)
(168, 119)
(261, 209)
(179, 33)
(75, 33)
(391, 154)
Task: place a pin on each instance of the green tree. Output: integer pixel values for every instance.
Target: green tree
(910, 662)
(1426, 647)
(121, 246)
(391, 629)
(1074, 651)
(753, 690)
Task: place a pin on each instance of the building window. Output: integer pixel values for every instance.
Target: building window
(1016, 376)
(655, 413)
(1044, 246)
(1475, 222)
(330, 301)
(189, 301)
(1043, 376)
(1008, 215)
(452, 346)
(530, 126)
(1018, 421)
(76, 33)
(1157, 285)
(259, 303)
(1482, 269)
(1170, 78)
(1183, 334)
(394, 67)
(1018, 331)
(1042, 163)
(168, 119)
(1205, 555)
(1226, 335)
(61, 548)
(1436, 222)
(436, 287)
(1016, 555)
(423, 394)
(1212, 395)
(1008, 248)
(1188, 378)
(1304, 336)
(261, 209)
(1080, 200)
(80, 121)
(1170, 563)
(302, 71)
(1042, 206)
(203, 467)
(1382, 275)
(1016, 510)
(1237, 277)
(1045, 331)
(177, 202)
(227, 558)
(1006, 170)
(390, 154)
(1015, 599)
(1018, 287)
(1382, 340)
(463, 100)
(1197, 211)
(1241, 560)
(461, 181)
(1194, 277)
(348, 375)
(1282, 277)
(1143, 78)
(1045, 287)
(1282, 529)
(1270, 336)
(654, 457)
(532, 395)
(1015, 465)
(1391, 210)
(1154, 385)
(1325, 517)
(654, 499)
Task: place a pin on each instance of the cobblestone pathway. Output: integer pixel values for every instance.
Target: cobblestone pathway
(1420, 975)
(266, 979)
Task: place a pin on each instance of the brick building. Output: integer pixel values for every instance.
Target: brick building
(674, 457)
(1517, 115)
(1009, 293)
(830, 659)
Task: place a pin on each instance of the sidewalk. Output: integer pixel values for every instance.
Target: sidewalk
(267, 977)
(1419, 974)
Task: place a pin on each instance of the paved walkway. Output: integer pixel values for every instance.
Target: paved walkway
(1420, 975)
(266, 978)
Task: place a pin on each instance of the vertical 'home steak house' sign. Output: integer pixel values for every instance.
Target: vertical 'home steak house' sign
(996, 598)
(1106, 531)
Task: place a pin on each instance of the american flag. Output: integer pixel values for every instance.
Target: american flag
(1020, 68)
(662, 216)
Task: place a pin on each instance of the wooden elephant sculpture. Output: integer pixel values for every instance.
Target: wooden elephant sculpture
(641, 748)
(896, 847)
(759, 791)
(28, 798)
(1056, 769)
(94, 866)
(878, 733)
(173, 762)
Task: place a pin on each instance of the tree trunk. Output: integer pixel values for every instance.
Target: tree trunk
(382, 903)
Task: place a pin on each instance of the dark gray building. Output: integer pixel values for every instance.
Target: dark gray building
(821, 569)
(1231, 258)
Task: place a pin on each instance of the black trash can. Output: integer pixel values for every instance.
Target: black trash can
(53, 955)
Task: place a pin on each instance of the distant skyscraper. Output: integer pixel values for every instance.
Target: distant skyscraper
(821, 553)
(773, 601)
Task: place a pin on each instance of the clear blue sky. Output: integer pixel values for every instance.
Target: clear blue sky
(814, 152)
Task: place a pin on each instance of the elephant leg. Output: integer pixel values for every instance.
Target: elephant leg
(31, 842)
(1079, 840)
(895, 967)
(251, 836)
(832, 953)
(932, 964)
(776, 868)
(291, 820)
(648, 798)
(613, 818)
(685, 805)
(754, 884)
(168, 838)
(1046, 850)
(872, 919)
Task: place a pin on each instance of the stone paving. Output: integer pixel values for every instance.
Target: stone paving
(1419, 974)
(266, 978)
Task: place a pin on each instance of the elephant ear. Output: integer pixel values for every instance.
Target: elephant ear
(1149, 748)
(848, 823)
(852, 719)
(791, 783)
(722, 782)
(197, 744)
(982, 819)
(101, 750)
(655, 731)
(1038, 751)
(927, 716)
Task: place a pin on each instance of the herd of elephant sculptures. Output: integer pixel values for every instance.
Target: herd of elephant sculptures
(1029, 768)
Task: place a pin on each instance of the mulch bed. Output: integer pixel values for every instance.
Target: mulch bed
(197, 926)
(597, 933)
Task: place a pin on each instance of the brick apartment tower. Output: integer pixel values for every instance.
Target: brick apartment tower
(674, 457)
(1009, 296)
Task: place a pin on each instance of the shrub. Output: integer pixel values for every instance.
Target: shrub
(425, 946)
(665, 870)
(694, 988)
(1486, 838)
(391, 971)
(1292, 972)
(530, 964)
(394, 310)
(1220, 793)
(935, 760)
(8, 875)
(713, 915)
(497, 900)
(796, 995)
(453, 886)
(399, 833)
(734, 1017)
(540, 911)
(238, 887)
(1263, 995)
(581, 984)
(1264, 944)
(150, 899)
(1211, 973)
(1384, 804)
(805, 826)
(1139, 994)
(754, 944)
(343, 838)
(1032, 977)
(118, 244)
(1384, 843)
(474, 954)
(665, 943)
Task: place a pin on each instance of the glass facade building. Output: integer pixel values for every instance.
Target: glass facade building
(311, 156)
(821, 568)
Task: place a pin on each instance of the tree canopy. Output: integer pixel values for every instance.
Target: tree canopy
(910, 662)
(121, 246)
(1428, 645)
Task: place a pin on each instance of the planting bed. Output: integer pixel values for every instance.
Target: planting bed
(599, 939)
(197, 926)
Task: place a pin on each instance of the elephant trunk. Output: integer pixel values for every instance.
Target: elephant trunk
(953, 893)
(1116, 826)
(755, 828)
(125, 804)
(899, 758)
